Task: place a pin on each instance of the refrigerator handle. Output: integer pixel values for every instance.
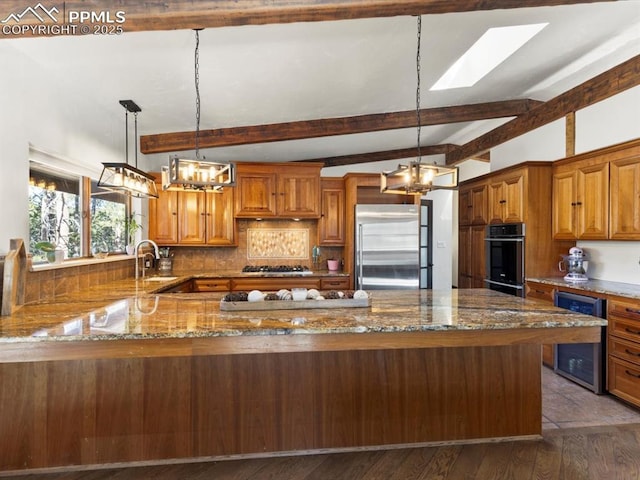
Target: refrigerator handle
(360, 256)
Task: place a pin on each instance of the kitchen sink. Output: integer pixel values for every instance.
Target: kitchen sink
(159, 279)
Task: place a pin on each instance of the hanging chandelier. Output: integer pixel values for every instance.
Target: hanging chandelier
(418, 178)
(122, 177)
(198, 174)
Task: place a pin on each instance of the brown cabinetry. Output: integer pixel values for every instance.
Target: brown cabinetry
(277, 190)
(580, 201)
(334, 283)
(211, 284)
(544, 292)
(472, 203)
(471, 259)
(506, 198)
(273, 283)
(331, 226)
(192, 218)
(625, 199)
(624, 349)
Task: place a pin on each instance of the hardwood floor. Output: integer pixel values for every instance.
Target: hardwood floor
(585, 436)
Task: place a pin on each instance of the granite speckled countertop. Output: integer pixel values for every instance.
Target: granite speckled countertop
(131, 309)
(602, 287)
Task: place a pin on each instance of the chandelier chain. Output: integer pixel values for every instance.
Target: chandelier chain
(197, 82)
(418, 87)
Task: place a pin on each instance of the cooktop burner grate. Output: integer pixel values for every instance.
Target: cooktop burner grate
(275, 269)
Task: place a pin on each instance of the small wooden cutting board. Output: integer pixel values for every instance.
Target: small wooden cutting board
(14, 277)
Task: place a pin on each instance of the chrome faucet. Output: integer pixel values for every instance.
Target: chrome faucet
(157, 252)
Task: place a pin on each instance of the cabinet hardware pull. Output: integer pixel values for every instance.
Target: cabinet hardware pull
(629, 352)
(503, 201)
(633, 310)
(632, 374)
(540, 291)
(578, 203)
(573, 204)
(635, 332)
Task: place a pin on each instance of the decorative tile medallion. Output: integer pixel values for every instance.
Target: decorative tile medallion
(277, 243)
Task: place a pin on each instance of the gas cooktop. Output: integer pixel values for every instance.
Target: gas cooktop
(279, 269)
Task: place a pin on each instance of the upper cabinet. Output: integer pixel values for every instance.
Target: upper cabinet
(192, 218)
(506, 198)
(331, 226)
(473, 204)
(625, 199)
(278, 190)
(596, 195)
(580, 201)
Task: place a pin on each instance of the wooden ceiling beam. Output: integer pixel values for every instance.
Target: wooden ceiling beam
(610, 83)
(187, 14)
(224, 137)
(381, 156)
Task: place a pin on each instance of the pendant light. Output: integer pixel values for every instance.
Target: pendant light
(198, 174)
(418, 178)
(122, 177)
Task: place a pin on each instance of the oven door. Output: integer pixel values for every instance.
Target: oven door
(505, 264)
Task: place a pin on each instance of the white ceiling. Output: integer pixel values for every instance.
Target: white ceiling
(265, 74)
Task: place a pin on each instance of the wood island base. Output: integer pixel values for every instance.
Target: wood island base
(153, 409)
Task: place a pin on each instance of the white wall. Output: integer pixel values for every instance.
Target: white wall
(46, 115)
(611, 121)
(546, 143)
(613, 261)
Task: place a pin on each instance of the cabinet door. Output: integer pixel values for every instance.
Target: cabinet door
(496, 202)
(625, 199)
(298, 195)
(513, 191)
(220, 224)
(331, 226)
(163, 218)
(479, 204)
(255, 195)
(465, 207)
(464, 257)
(592, 202)
(191, 218)
(477, 256)
(563, 205)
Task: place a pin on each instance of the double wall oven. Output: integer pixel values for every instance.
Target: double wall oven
(504, 245)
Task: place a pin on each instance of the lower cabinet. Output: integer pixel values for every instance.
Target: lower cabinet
(471, 257)
(545, 292)
(624, 349)
(211, 285)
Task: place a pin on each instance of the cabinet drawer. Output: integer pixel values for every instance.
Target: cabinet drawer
(630, 310)
(273, 284)
(211, 285)
(540, 291)
(624, 319)
(340, 283)
(625, 349)
(624, 380)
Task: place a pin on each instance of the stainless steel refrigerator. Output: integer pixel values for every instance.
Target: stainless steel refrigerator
(387, 247)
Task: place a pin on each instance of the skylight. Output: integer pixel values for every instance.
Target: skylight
(489, 51)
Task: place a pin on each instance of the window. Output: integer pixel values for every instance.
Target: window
(108, 211)
(54, 213)
(56, 203)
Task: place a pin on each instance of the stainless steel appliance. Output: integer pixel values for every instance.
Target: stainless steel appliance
(584, 363)
(387, 246)
(504, 245)
(575, 264)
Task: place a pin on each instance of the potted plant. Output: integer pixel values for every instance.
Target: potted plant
(132, 227)
(53, 254)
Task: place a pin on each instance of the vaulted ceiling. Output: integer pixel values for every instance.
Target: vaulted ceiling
(277, 84)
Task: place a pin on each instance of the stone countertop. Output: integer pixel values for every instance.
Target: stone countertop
(131, 309)
(602, 287)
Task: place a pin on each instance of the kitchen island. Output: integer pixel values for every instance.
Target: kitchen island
(95, 379)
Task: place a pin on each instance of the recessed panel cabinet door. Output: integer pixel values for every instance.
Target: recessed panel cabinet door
(191, 218)
(592, 202)
(220, 225)
(625, 199)
(331, 227)
(564, 205)
(298, 195)
(514, 195)
(255, 195)
(163, 218)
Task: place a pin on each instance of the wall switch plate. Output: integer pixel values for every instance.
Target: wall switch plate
(441, 244)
